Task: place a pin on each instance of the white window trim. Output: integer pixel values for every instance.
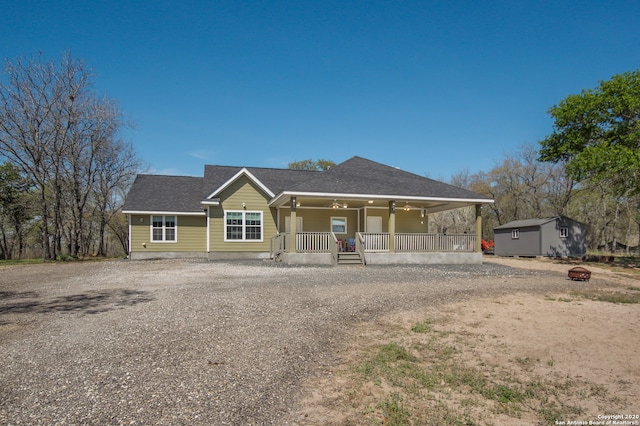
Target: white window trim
(564, 234)
(515, 234)
(346, 226)
(164, 229)
(244, 224)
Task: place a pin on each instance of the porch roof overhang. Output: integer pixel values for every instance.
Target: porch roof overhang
(324, 199)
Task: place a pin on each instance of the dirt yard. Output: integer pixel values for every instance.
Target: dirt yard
(557, 358)
(512, 341)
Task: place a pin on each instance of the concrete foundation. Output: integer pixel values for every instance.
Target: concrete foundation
(324, 258)
(237, 255)
(423, 258)
(307, 258)
(145, 255)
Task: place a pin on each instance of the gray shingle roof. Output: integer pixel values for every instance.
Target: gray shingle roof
(526, 223)
(354, 176)
(161, 193)
(361, 176)
(277, 180)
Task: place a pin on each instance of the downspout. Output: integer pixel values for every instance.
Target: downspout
(208, 229)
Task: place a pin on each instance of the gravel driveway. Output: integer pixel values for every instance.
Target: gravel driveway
(194, 342)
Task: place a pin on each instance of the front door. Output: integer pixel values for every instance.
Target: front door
(374, 224)
(287, 224)
(375, 242)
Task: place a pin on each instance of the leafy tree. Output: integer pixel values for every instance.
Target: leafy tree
(320, 164)
(523, 188)
(597, 134)
(15, 210)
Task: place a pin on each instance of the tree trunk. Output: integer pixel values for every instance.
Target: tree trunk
(46, 247)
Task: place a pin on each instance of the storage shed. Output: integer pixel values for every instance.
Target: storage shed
(557, 236)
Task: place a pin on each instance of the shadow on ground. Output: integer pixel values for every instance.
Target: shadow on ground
(92, 302)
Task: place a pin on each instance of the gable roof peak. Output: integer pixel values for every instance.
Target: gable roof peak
(242, 172)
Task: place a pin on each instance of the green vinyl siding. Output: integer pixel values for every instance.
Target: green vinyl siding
(241, 195)
(190, 231)
(319, 220)
(410, 222)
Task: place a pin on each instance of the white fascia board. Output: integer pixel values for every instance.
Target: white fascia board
(285, 195)
(212, 202)
(149, 212)
(247, 173)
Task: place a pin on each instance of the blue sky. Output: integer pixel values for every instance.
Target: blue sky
(431, 87)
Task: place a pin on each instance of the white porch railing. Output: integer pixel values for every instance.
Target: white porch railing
(306, 242)
(375, 242)
(314, 242)
(326, 242)
(457, 242)
(278, 245)
(415, 243)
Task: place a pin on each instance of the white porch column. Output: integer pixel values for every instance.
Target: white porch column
(292, 226)
(424, 220)
(478, 247)
(392, 226)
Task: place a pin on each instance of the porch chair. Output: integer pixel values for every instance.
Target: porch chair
(352, 244)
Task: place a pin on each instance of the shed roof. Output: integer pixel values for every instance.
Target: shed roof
(528, 222)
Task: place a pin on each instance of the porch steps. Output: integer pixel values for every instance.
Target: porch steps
(349, 258)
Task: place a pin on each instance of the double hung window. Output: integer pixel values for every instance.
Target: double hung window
(163, 228)
(564, 232)
(243, 226)
(339, 225)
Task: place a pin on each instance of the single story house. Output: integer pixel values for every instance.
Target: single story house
(358, 211)
(557, 236)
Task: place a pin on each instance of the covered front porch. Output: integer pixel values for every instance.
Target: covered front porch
(375, 248)
(316, 230)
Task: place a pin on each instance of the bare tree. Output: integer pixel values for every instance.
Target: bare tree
(55, 128)
(115, 171)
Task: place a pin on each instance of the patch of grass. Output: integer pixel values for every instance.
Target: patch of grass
(445, 353)
(417, 386)
(422, 327)
(506, 394)
(384, 363)
(632, 288)
(552, 411)
(61, 258)
(394, 412)
(608, 296)
(627, 261)
(394, 352)
(20, 262)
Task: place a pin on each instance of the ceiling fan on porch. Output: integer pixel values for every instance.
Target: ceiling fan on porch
(337, 205)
